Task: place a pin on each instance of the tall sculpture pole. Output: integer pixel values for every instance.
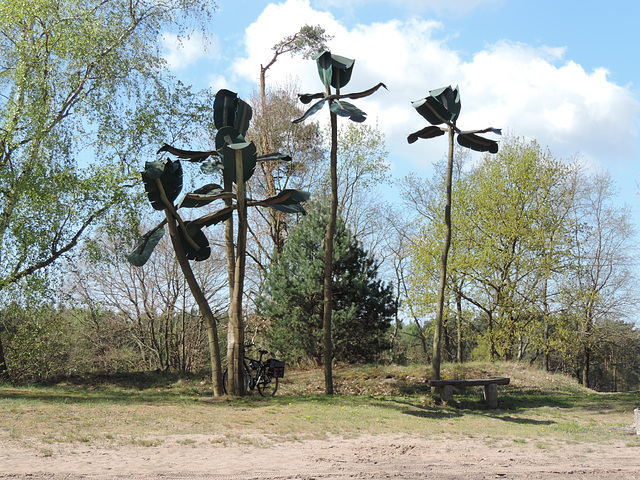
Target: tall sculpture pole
(441, 108)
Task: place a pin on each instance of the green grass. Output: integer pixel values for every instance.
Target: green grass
(536, 407)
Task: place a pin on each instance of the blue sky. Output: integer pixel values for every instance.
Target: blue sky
(565, 73)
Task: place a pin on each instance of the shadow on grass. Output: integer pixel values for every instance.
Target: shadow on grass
(522, 421)
(63, 395)
(411, 397)
(421, 411)
(512, 399)
(129, 388)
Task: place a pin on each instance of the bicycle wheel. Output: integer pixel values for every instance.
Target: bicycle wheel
(225, 380)
(267, 385)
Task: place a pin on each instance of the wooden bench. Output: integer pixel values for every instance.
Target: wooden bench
(490, 388)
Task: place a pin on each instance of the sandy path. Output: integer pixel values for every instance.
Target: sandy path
(366, 457)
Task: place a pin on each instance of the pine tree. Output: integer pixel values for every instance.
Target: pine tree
(293, 303)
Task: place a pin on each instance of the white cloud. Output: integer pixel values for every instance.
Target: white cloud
(533, 92)
(261, 36)
(557, 102)
(180, 53)
(218, 82)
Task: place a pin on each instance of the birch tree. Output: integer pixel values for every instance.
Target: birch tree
(72, 77)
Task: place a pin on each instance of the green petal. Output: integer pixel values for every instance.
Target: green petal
(346, 109)
(314, 108)
(208, 190)
(248, 160)
(143, 250)
(171, 180)
(198, 236)
(478, 143)
(427, 132)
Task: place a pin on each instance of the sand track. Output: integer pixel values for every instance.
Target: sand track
(365, 457)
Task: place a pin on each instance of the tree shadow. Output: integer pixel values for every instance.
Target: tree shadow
(523, 421)
(421, 411)
(67, 396)
(126, 388)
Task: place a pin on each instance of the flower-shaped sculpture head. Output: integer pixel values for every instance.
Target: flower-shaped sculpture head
(442, 106)
(163, 181)
(335, 71)
(231, 116)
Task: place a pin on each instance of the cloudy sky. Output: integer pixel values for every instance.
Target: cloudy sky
(565, 73)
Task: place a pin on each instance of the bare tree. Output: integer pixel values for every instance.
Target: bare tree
(272, 130)
(303, 143)
(603, 286)
(153, 300)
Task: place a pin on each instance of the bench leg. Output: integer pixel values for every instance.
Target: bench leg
(446, 393)
(491, 395)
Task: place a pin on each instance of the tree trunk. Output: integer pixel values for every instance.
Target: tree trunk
(231, 263)
(203, 305)
(492, 342)
(437, 333)
(446, 340)
(587, 348)
(459, 357)
(586, 366)
(328, 259)
(421, 336)
(4, 371)
(545, 319)
(547, 348)
(235, 337)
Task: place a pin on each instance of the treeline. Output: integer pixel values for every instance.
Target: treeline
(541, 267)
(44, 344)
(541, 270)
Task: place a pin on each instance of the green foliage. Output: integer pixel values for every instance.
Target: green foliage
(41, 343)
(293, 301)
(99, 341)
(79, 80)
(363, 159)
(528, 255)
(309, 41)
(600, 287)
(34, 343)
(510, 236)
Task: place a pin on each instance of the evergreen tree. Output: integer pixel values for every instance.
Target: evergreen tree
(293, 303)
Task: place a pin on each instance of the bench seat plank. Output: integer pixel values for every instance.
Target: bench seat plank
(479, 382)
(490, 387)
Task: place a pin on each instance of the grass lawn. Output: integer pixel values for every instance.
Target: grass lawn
(146, 408)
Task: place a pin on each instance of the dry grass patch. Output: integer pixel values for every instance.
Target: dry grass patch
(536, 407)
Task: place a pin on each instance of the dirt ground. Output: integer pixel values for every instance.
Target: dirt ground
(364, 457)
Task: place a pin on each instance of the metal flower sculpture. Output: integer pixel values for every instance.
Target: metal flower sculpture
(236, 159)
(335, 71)
(443, 106)
(442, 109)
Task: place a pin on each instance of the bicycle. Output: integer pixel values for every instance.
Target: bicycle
(258, 373)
